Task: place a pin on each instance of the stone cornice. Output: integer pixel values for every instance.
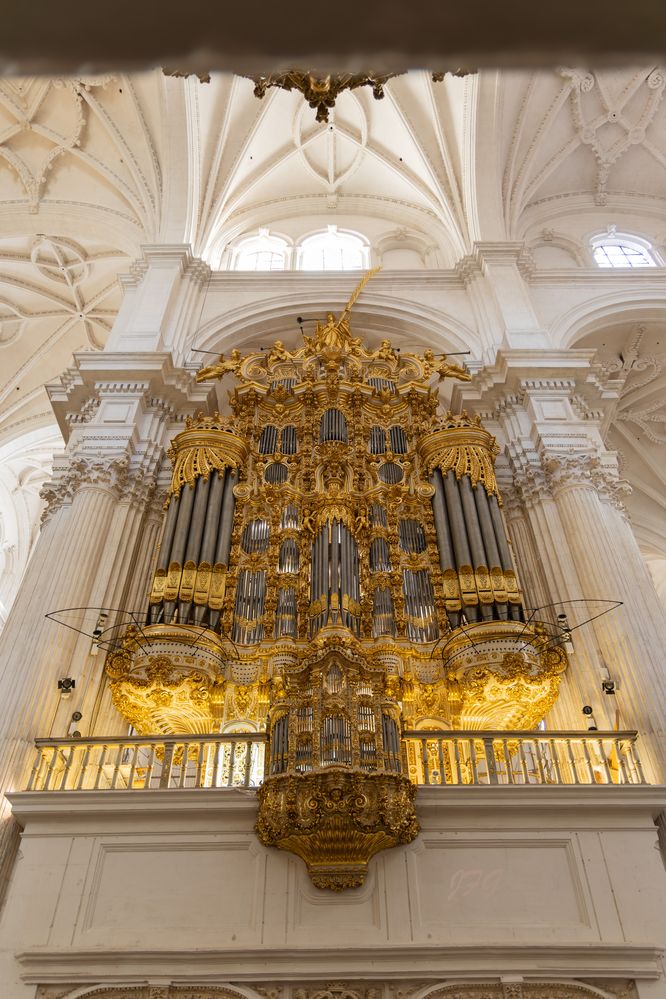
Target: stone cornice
(151, 376)
(538, 962)
(584, 802)
(330, 283)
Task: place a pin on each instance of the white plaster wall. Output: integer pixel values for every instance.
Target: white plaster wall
(123, 887)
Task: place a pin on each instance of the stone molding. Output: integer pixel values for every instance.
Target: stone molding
(516, 988)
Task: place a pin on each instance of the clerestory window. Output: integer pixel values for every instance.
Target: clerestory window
(333, 251)
(616, 250)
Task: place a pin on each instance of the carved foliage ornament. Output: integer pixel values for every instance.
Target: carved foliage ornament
(110, 474)
(463, 445)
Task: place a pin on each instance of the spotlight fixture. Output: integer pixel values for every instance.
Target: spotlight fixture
(592, 725)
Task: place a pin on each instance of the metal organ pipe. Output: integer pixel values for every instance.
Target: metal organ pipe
(500, 533)
(180, 540)
(227, 519)
(489, 539)
(474, 536)
(164, 557)
(324, 573)
(167, 537)
(515, 611)
(458, 530)
(334, 561)
(344, 572)
(447, 560)
(485, 521)
(194, 536)
(212, 524)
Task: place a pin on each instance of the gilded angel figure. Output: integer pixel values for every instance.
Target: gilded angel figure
(444, 368)
(221, 366)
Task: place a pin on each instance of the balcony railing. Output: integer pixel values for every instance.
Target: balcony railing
(445, 758)
(434, 758)
(142, 763)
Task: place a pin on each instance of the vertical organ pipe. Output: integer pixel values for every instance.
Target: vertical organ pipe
(500, 533)
(227, 519)
(489, 539)
(225, 528)
(194, 536)
(334, 560)
(164, 558)
(503, 545)
(343, 571)
(458, 532)
(456, 520)
(474, 535)
(447, 559)
(472, 522)
(167, 536)
(324, 570)
(185, 505)
(487, 530)
(210, 531)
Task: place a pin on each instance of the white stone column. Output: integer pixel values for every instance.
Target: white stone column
(69, 559)
(163, 293)
(546, 565)
(495, 280)
(119, 413)
(550, 410)
(631, 639)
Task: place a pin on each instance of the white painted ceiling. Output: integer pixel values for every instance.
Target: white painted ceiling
(91, 169)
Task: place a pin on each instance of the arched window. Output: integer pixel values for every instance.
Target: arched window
(333, 251)
(614, 249)
(262, 252)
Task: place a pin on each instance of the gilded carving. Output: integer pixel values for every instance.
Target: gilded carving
(207, 445)
(332, 601)
(462, 445)
(337, 820)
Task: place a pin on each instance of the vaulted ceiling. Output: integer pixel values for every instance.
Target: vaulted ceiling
(93, 168)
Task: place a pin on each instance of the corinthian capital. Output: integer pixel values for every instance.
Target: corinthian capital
(80, 472)
(567, 471)
(564, 471)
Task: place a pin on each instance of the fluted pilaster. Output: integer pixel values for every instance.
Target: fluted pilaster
(630, 639)
(71, 559)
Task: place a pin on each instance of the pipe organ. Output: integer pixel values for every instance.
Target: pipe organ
(336, 549)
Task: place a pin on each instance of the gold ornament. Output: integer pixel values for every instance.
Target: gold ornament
(463, 445)
(337, 820)
(206, 446)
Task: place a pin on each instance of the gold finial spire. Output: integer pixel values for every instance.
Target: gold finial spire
(335, 334)
(357, 291)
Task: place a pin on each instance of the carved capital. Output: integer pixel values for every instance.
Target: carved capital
(111, 474)
(568, 471)
(564, 471)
